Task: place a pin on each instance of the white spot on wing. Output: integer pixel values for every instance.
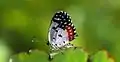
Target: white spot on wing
(65, 13)
(68, 14)
(72, 25)
(75, 31)
(56, 15)
(62, 25)
(70, 30)
(64, 19)
(65, 22)
(68, 27)
(69, 20)
(74, 28)
(57, 19)
(69, 24)
(62, 16)
(70, 33)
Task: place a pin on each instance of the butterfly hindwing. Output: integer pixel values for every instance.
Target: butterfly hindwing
(57, 36)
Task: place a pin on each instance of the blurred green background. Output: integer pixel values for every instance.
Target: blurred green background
(97, 23)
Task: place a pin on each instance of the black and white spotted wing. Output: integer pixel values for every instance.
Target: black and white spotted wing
(61, 30)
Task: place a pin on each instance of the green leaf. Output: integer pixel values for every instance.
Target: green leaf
(71, 55)
(35, 56)
(102, 56)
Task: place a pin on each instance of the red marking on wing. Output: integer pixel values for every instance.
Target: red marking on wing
(70, 32)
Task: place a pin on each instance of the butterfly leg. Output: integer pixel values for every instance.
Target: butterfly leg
(52, 54)
(61, 50)
(50, 57)
(69, 45)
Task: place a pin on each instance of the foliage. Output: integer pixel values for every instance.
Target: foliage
(70, 55)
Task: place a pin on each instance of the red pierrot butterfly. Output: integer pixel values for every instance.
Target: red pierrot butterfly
(61, 31)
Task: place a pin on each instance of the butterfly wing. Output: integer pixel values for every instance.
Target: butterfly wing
(61, 30)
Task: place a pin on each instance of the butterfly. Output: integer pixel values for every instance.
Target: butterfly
(61, 32)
